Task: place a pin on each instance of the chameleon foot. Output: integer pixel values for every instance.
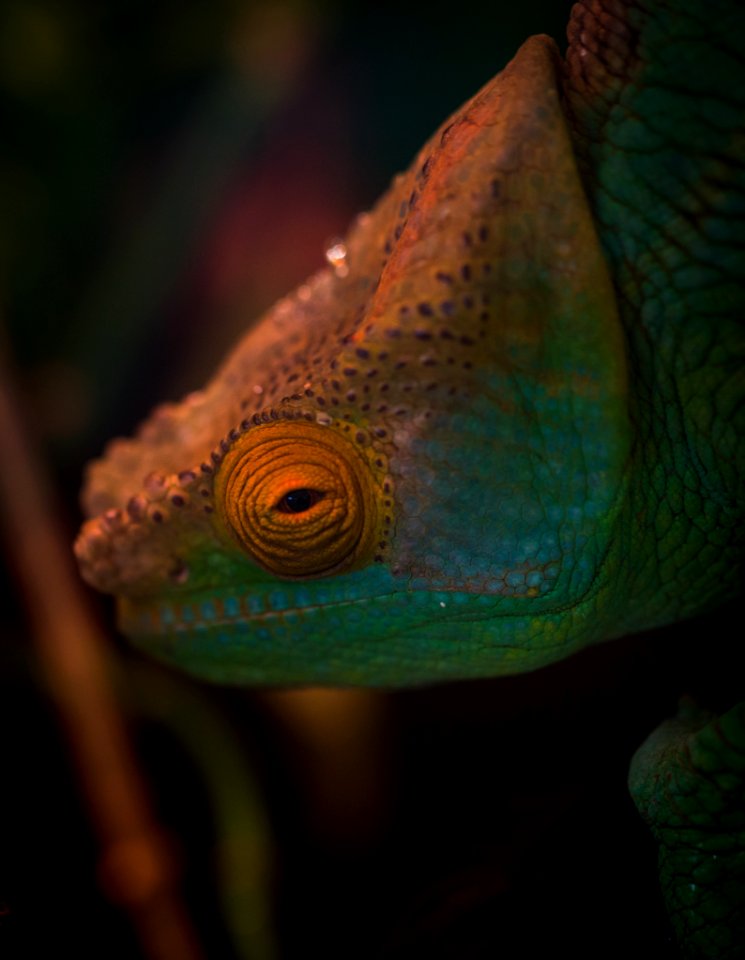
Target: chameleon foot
(688, 781)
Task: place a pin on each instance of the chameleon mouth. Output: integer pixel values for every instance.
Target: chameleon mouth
(179, 616)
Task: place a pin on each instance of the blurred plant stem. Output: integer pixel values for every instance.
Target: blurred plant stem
(243, 840)
(136, 865)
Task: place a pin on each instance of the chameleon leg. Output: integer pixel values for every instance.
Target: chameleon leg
(688, 782)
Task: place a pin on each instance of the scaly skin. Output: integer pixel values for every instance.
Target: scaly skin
(505, 425)
(656, 106)
(655, 97)
(688, 782)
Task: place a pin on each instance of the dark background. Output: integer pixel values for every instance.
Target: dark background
(167, 170)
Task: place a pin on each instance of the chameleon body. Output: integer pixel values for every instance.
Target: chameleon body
(504, 423)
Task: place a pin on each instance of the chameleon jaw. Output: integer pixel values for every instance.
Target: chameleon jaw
(300, 632)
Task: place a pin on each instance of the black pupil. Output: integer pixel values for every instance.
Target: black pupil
(298, 501)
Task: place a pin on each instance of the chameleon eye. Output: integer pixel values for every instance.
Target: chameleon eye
(299, 498)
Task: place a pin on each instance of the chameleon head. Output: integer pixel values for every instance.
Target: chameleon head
(409, 469)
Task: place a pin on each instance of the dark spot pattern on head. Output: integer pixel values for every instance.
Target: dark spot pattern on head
(388, 345)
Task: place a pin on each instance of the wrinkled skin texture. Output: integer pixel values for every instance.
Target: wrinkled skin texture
(526, 369)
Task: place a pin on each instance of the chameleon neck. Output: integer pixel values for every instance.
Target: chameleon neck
(657, 144)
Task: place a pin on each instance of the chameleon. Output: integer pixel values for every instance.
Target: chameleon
(503, 423)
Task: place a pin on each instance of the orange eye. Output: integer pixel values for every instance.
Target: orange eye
(299, 498)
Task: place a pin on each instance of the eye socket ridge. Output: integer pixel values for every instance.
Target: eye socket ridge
(299, 500)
